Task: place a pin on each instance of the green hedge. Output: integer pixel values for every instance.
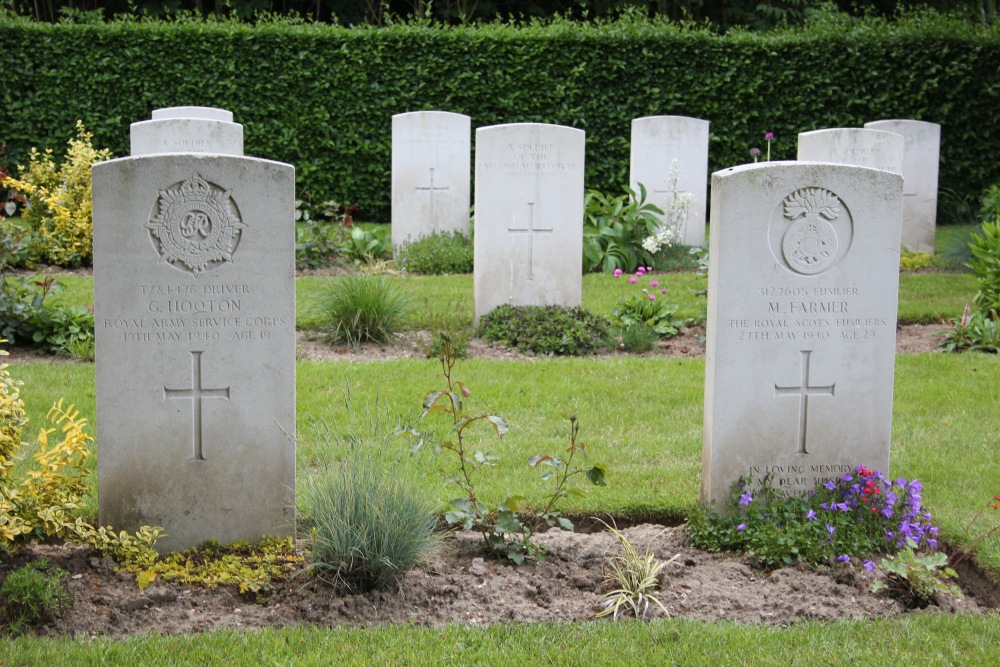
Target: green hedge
(321, 97)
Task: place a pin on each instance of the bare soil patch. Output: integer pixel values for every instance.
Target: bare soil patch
(459, 585)
(910, 339)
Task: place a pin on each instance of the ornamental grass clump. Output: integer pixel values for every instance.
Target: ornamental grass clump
(361, 308)
(634, 579)
(858, 516)
(371, 520)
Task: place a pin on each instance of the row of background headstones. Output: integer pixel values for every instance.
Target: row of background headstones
(669, 156)
(194, 289)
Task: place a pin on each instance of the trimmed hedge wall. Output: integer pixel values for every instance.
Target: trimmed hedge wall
(321, 97)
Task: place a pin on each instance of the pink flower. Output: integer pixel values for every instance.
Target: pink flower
(617, 272)
(652, 297)
(663, 291)
(640, 272)
(769, 136)
(654, 284)
(649, 268)
(632, 280)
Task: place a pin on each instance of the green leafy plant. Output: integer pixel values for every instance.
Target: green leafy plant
(990, 207)
(916, 579)
(34, 594)
(977, 329)
(549, 330)
(361, 308)
(615, 228)
(634, 579)
(438, 254)
(856, 516)
(364, 246)
(61, 212)
(28, 317)
(985, 264)
(642, 307)
(974, 332)
(320, 231)
(504, 532)
(370, 522)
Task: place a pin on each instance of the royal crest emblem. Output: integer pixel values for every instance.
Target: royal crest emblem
(195, 225)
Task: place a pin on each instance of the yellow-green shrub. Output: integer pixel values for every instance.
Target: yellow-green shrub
(43, 504)
(61, 196)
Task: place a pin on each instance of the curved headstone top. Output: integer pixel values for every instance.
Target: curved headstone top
(876, 149)
(204, 113)
(187, 130)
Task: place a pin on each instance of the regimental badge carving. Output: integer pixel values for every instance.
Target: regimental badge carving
(810, 245)
(195, 225)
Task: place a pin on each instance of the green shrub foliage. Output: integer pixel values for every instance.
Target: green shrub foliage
(321, 97)
(551, 330)
(438, 254)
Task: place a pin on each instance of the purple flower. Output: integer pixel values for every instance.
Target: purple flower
(633, 280)
(830, 485)
(842, 507)
(843, 558)
(886, 512)
(746, 498)
(663, 291)
(811, 514)
(824, 506)
(830, 529)
(847, 477)
(769, 136)
(868, 565)
(617, 273)
(654, 283)
(932, 543)
(741, 527)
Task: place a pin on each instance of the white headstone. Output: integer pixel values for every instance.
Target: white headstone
(670, 158)
(194, 267)
(529, 216)
(852, 145)
(431, 154)
(802, 295)
(921, 159)
(187, 130)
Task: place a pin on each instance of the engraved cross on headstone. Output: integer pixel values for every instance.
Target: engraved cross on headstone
(803, 392)
(196, 394)
(430, 189)
(530, 230)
